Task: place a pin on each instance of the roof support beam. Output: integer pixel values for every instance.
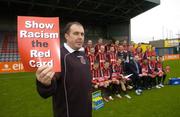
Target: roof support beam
(67, 8)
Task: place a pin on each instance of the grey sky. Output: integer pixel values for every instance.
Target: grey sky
(160, 22)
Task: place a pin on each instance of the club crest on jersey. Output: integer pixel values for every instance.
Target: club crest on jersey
(82, 59)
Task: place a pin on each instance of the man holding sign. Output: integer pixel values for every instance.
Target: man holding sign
(70, 89)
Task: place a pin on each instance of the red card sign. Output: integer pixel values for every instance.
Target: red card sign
(39, 42)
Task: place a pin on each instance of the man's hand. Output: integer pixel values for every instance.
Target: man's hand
(44, 75)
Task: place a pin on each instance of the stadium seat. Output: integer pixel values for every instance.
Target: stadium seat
(8, 48)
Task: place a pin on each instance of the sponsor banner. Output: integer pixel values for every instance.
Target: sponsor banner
(172, 57)
(6, 67)
(39, 42)
(171, 43)
(97, 101)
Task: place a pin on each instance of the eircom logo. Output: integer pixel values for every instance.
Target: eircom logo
(6, 67)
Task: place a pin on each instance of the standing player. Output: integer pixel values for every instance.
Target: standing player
(139, 46)
(139, 53)
(121, 53)
(88, 47)
(98, 45)
(116, 46)
(147, 53)
(101, 56)
(153, 51)
(91, 57)
(112, 56)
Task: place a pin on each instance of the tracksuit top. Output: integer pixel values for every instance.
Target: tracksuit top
(71, 88)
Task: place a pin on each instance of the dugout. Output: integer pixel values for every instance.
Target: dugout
(109, 19)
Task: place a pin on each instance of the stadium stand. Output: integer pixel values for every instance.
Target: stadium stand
(8, 48)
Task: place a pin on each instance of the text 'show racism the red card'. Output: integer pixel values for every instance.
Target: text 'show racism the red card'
(39, 42)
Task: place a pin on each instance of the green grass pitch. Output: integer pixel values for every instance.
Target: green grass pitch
(19, 98)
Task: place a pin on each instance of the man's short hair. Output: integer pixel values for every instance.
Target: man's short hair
(68, 26)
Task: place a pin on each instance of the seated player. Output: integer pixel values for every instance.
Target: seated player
(116, 71)
(133, 68)
(144, 74)
(152, 71)
(95, 75)
(166, 70)
(105, 82)
(118, 79)
(160, 73)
